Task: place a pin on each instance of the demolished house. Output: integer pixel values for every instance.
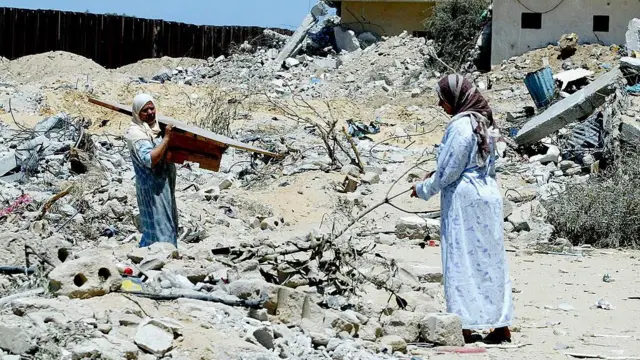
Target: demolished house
(524, 25)
(384, 17)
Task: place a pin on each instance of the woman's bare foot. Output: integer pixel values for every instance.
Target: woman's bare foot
(470, 338)
(498, 336)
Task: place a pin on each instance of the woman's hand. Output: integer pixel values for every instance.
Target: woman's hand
(168, 130)
(414, 189)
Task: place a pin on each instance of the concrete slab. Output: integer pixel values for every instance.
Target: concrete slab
(630, 68)
(8, 162)
(293, 45)
(569, 76)
(574, 108)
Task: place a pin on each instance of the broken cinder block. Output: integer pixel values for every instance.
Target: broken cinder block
(85, 277)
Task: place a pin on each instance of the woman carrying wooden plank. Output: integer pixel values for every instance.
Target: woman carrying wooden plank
(155, 177)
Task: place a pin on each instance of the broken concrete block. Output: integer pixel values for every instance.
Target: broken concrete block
(262, 336)
(370, 178)
(633, 36)
(159, 250)
(154, 337)
(346, 40)
(552, 155)
(85, 277)
(247, 288)
(394, 342)
(14, 335)
(630, 68)
(520, 218)
(568, 44)
(108, 347)
(442, 329)
(8, 162)
(404, 324)
(259, 314)
(577, 106)
(272, 223)
(350, 170)
(326, 63)
(291, 62)
(367, 39)
(415, 227)
(371, 331)
(290, 305)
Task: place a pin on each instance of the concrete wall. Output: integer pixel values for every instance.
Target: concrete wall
(509, 39)
(386, 17)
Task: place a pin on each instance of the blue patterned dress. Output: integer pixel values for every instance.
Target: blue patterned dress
(476, 275)
(155, 190)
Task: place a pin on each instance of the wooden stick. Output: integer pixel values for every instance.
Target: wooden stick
(354, 148)
(52, 201)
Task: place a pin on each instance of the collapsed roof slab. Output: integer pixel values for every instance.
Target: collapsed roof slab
(574, 108)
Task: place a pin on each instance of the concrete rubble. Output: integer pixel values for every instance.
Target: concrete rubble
(257, 270)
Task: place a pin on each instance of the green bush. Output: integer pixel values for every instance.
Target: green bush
(455, 26)
(605, 211)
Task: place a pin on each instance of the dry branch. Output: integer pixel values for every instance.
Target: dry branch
(53, 200)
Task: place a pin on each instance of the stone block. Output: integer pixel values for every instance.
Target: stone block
(85, 277)
(442, 329)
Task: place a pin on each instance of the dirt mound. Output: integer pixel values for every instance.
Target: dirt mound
(147, 68)
(55, 64)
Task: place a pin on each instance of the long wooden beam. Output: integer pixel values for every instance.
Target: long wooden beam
(199, 133)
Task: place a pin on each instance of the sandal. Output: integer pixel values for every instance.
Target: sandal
(498, 336)
(471, 338)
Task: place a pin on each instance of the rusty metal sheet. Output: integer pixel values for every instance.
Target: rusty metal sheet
(222, 141)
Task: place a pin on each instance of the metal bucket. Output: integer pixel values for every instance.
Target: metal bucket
(541, 86)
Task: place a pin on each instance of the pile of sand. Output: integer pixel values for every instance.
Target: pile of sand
(147, 68)
(53, 65)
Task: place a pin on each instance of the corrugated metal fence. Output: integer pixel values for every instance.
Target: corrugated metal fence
(113, 41)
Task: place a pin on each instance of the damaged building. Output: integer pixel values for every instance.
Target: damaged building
(384, 17)
(520, 26)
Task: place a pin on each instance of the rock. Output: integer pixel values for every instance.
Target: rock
(105, 328)
(154, 337)
(259, 314)
(262, 336)
(157, 250)
(107, 347)
(442, 329)
(290, 305)
(567, 164)
(508, 227)
(14, 336)
(573, 171)
(85, 277)
(346, 40)
(396, 343)
(371, 331)
(520, 218)
(247, 288)
(326, 63)
(367, 39)
(291, 62)
(350, 170)
(568, 44)
(552, 155)
(342, 322)
(416, 93)
(404, 324)
(371, 178)
(507, 208)
(271, 223)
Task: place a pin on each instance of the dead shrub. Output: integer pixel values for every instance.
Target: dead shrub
(218, 110)
(455, 27)
(605, 211)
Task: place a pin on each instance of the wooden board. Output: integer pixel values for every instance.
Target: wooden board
(196, 132)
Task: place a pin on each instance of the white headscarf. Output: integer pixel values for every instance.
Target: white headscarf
(139, 130)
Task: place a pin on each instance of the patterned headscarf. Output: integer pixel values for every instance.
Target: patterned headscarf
(464, 97)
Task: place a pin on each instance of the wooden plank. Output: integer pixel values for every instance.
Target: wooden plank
(203, 134)
(179, 157)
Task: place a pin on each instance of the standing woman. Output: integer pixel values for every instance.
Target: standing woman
(476, 275)
(155, 177)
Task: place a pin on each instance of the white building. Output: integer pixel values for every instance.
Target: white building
(524, 25)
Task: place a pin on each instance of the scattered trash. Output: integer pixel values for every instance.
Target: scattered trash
(607, 278)
(361, 130)
(603, 304)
